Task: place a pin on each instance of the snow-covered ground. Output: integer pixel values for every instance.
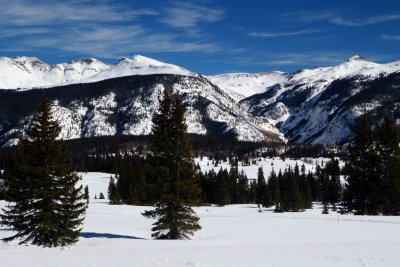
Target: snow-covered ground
(235, 235)
(268, 164)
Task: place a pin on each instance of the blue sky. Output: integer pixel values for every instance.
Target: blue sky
(204, 36)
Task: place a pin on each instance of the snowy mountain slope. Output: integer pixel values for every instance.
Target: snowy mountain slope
(125, 106)
(30, 72)
(137, 65)
(243, 85)
(306, 106)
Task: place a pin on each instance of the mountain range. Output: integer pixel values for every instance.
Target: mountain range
(91, 98)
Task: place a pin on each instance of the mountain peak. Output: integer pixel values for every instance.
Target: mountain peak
(356, 58)
(143, 59)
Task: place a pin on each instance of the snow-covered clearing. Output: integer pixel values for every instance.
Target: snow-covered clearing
(235, 235)
(268, 164)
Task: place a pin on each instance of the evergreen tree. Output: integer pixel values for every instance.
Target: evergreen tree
(233, 182)
(101, 195)
(222, 194)
(294, 199)
(243, 188)
(261, 187)
(113, 193)
(305, 189)
(274, 187)
(279, 206)
(45, 206)
(362, 171)
(335, 187)
(389, 169)
(178, 182)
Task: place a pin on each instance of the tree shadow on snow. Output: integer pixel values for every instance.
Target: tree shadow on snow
(106, 235)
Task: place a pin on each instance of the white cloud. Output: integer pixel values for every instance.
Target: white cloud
(391, 37)
(334, 18)
(190, 16)
(283, 34)
(100, 28)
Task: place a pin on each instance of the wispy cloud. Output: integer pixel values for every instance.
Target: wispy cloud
(334, 17)
(391, 37)
(30, 13)
(190, 16)
(313, 58)
(364, 21)
(98, 28)
(268, 34)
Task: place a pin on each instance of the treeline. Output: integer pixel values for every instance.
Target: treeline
(290, 190)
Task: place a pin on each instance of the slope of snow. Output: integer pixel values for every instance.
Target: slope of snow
(137, 65)
(246, 84)
(30, 72)
(234, 235)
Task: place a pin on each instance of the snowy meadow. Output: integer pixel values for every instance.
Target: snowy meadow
(233, 235)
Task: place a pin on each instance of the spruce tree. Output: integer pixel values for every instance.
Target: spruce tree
(178, 181)
(222, 194)
(305, 189)
(362, 170)
(335, 187)
(46, 206)
(113, 193)
(274, 187)
(261, 186)
(233, 182)
(243, 188)
(388, 197)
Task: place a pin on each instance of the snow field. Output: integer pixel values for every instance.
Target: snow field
(234, 235)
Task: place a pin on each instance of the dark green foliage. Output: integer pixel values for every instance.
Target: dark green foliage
(177, 184)
(45, 206)
(263, 196)
(293, 199)
(389, 168)
(243, 188)
(362, 171)
(274, 188)
(101, 196)
(113, 192)
(222, 193)
(233, 182)
(373, 170)
(261, 186)
(305, 189)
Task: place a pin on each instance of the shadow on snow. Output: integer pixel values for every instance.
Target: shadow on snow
(106, 235)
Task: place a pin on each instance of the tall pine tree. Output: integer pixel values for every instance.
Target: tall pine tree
(362, 171)
(46, 207)
(178, 181)
(389, 169)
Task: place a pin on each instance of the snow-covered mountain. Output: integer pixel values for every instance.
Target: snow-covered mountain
(30, 72)
(311, 106)
(125, 106)
(242, 85)
(317, 105)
